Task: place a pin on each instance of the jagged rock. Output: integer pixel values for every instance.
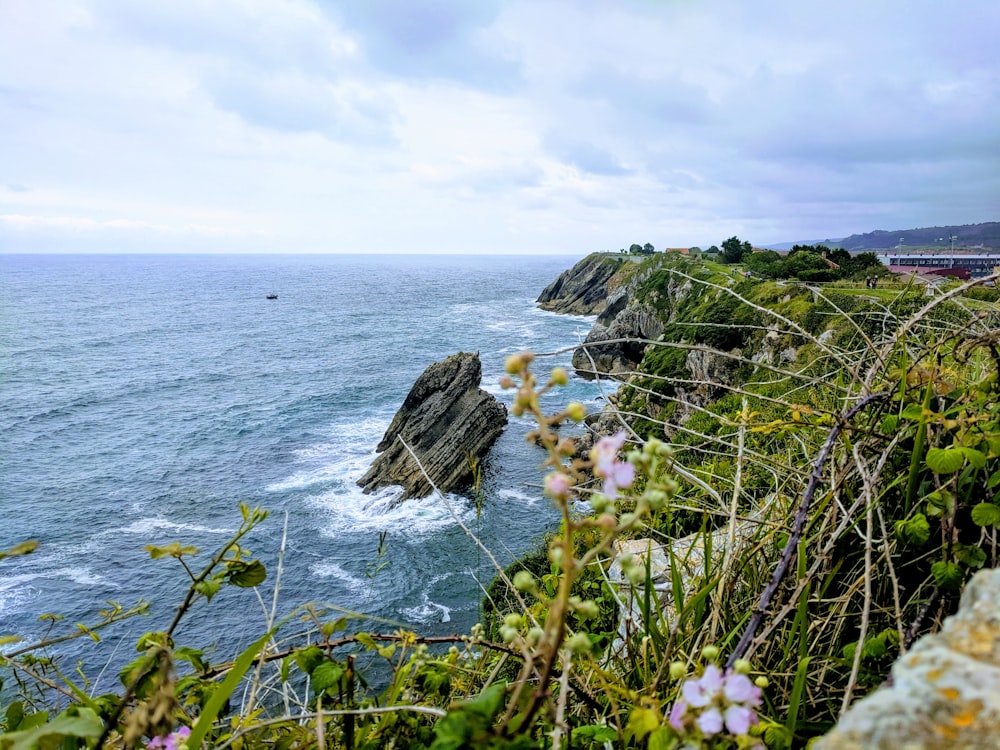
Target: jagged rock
(445, 419)
(945, 690)
(635, 321)
(584, 288)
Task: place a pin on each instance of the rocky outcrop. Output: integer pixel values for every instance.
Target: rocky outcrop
(445, 419)
(945, 691)
(584, 288)
(634, 321)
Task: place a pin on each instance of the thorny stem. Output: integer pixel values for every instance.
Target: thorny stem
(797, 527)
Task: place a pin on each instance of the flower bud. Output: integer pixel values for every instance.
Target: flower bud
(599, 502)
(513, 364)
(566, 447)
(710, 653)
(512, 620)
(761, 682)
(508, 634)
(507, 382)
(576, 411)
(656, 499)
(742, 666)
(535, 635)
(559, 376)
(524, 581)
(579, 643)
(587, 609)
(678, 669)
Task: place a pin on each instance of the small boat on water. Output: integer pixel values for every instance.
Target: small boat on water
(272, 296)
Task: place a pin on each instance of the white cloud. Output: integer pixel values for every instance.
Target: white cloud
(503, 126)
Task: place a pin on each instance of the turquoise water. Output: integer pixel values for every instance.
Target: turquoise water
(143, 397)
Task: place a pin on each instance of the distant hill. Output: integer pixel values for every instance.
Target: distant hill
(790, 245)
(985, 235)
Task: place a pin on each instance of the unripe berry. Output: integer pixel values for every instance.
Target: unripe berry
(524, 581)
(512, 620)
(576, 411)
(761, 682)
(742, 666)
(678, 669)
(579, 643)
(559, 376)
(513, 364)
(710, 653)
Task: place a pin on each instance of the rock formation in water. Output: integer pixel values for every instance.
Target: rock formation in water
(447, 420)
(584, 288)
(945, 690)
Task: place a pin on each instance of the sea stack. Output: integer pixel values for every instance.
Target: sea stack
(445, 420)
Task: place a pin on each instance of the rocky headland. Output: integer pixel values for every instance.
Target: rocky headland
(447, 421)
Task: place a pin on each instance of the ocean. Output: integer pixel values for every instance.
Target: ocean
(142, 398)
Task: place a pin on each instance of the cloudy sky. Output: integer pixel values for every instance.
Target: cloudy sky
(490, 126)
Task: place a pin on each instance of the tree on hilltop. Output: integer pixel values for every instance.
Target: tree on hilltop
(733, 250)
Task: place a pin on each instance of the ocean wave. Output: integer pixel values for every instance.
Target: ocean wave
(329, 569)
(426, 612)
(348, 509)
(147, 525)
(513, 495)
(16, 591)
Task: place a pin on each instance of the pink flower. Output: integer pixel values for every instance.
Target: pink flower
(739, 689)
(557, 484)
(710, 722)
(676, 718)
(699, 693)
(616, 474)
(173, 741)
(739, 719)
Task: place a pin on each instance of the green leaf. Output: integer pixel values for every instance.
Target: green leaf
(594, 732)
(940, 503)
(308, 658)
(976, 458)
(75, 721)
(15, 712)
(174, 549)
(326, 675)
(913, 412)
(890, 424)
(208, 588)
(246, 575)
(970, 555)
(661, 739)
(641, 722)
(192, 656)
(24, 548)
(914, 531)
(366, 640)
(986, 514)
(945, 460)
(947, 575)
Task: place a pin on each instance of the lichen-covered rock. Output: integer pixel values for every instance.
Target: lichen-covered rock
(445, 419)
(945, 691)
(584, 288)
(687, 553)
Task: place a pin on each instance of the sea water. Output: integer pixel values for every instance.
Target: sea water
(142, 398)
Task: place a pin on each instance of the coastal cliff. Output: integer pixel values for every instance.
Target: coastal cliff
(753, 383)
(584, 289)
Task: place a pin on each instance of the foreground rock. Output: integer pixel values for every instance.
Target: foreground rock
(945, 691)
(584, 288)
(445, 419)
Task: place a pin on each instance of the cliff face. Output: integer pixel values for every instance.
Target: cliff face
(584, 288)
(444, 419)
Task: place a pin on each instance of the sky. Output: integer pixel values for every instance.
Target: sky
(490, 126)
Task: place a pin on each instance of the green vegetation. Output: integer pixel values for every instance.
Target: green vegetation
(803, 480)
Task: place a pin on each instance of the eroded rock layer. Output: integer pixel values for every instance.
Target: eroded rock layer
(446, 419)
